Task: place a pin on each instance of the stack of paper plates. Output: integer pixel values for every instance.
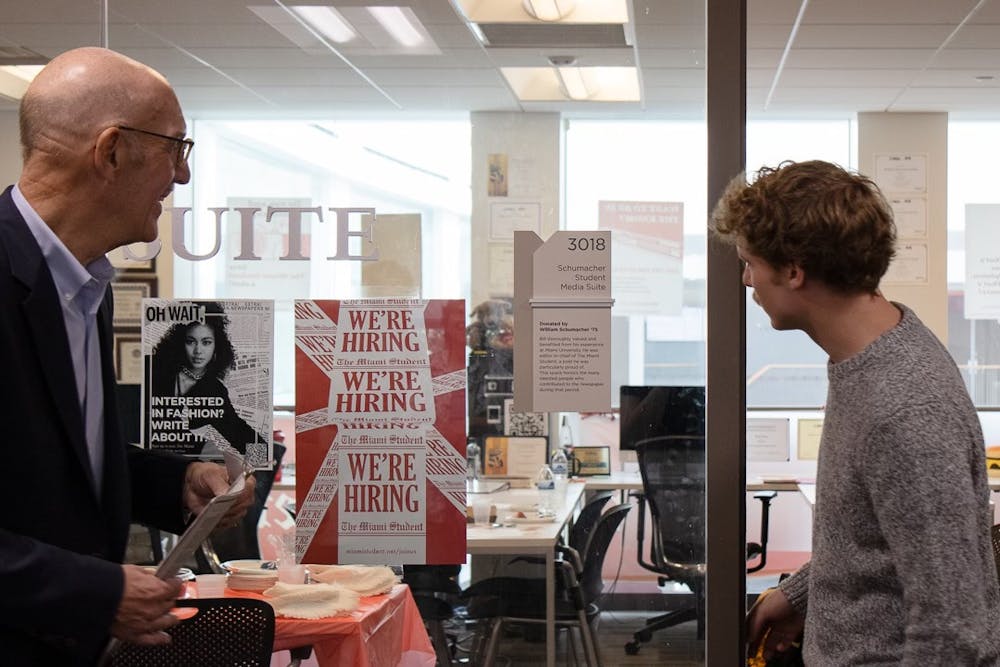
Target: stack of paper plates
(241, 565)
(251, 580)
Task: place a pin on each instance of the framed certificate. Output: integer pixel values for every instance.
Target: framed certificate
(128, 294)
(592, 461)
(128, 358)
(514, 457)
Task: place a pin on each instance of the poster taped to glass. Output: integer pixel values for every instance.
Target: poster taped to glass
(207, 378)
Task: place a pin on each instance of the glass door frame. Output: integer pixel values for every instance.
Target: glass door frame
(725, 635)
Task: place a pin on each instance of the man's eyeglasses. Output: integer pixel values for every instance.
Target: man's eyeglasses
(184, 146)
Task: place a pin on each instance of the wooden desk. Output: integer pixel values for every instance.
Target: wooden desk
(757, 484)
(529, 539)
(384, 631)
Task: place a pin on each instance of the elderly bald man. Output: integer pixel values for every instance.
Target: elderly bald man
(103, 144)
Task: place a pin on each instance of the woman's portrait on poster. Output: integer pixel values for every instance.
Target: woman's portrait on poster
(191, 361)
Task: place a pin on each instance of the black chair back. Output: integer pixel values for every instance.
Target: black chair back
(579, 534)
(673, 481)
(591, 581)
(225, 632)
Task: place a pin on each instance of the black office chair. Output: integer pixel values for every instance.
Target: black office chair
(673, 488)
(586, 521)
(240, 541)
(501, 600)
(579, 532)
(435, 591)
(223, 633)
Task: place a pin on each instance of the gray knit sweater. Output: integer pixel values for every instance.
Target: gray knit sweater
(902, 569)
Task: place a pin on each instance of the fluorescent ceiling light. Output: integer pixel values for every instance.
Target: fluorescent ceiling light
(14, 79)
(326, 21)
(549, 10)
(549, 84)
(573, 83)
(397, 23)
(533, 11)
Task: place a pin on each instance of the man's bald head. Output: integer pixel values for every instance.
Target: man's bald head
(83, 91)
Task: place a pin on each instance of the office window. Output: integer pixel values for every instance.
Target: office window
(665, 161)
(974, 344)
(416, 174)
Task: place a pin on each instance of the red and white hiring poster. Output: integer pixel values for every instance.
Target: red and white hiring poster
(380, 431)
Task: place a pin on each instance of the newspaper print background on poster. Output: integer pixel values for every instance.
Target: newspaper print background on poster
(207, 377)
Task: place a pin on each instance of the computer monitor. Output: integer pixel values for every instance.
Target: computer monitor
(651, 412)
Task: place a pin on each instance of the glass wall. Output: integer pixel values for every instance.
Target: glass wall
(974, 343)
(664, 161)
(410, 168)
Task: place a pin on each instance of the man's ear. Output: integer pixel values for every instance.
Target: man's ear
(795, 276)
(108, 152)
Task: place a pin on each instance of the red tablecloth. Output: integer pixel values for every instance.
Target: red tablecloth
(385, 631)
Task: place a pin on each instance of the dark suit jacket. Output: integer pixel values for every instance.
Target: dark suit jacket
(60, 541)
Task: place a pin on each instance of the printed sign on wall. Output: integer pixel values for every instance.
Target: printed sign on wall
(563, 288)
(207, 380)
(380, 424)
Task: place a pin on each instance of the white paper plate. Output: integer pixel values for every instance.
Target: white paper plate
(248, 567)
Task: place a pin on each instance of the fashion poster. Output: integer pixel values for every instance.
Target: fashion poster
(380, 431)
(207, 378)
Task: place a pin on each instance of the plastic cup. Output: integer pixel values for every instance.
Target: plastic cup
(481, 513)
(503, 514)
(292, 574)
(211, 585)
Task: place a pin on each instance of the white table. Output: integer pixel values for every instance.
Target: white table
(528, 539)
(619, 479)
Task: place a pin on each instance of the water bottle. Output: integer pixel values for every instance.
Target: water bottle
(545, 482)
(560, 464)
(560, 473)
(472, 460)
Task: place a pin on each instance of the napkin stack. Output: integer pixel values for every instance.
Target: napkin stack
(311, 600)
(362, 579)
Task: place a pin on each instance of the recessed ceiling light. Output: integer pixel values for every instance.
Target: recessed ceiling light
(397, 23)
(533, 11)
(14, 79)
(326, 21)
(559, 84)
(573, 83)
(549, 10)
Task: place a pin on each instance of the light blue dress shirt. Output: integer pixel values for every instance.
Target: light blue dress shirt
(81, 290)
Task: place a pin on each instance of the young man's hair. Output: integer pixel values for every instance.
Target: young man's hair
(833, 224)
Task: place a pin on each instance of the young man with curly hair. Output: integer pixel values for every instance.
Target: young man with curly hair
(902, 569)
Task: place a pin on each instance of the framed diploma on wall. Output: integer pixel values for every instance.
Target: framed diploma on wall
(128, 294)
(513, 457)
(592, 461)
(128, 358)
